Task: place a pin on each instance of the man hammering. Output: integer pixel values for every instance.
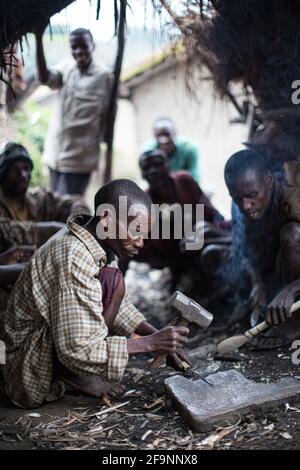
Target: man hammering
(68, 318)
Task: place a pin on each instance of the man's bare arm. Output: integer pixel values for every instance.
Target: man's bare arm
(257, 295)
(43, 72)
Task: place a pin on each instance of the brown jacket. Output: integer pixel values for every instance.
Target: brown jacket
(42, 206)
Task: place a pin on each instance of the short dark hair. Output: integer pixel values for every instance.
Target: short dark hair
(154, 152)
(80, 32)
(110, 193)
(243, 161)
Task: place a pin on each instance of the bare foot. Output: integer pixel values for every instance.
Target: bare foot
(114, 390)
(93, 386)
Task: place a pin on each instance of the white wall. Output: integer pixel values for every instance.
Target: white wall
(206, 120)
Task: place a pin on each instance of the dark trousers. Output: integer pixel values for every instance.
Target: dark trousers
(69, 183)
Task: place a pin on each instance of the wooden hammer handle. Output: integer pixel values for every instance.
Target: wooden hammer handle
(256, 330)
(160, 357)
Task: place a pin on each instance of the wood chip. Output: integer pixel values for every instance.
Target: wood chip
(159, 401)
(110, 409)
(129, 392)
(106, 400)
(147, 434)
(286, 435)
(213, 439)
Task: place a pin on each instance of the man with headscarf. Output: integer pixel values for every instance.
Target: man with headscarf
(28, 216)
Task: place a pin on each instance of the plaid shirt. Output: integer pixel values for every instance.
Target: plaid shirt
(56, 304)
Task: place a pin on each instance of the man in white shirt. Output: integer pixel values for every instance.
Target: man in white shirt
(72, 145)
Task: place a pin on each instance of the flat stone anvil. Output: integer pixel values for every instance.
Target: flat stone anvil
(232, 395)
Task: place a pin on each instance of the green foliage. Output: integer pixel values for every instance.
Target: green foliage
(30, 126)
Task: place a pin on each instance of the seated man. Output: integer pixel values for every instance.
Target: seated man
(182, 154)
(28, 217)
(269, 228)
(67, 318)
(170, 188)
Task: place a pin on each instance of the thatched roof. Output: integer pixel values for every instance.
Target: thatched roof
(18, 17)
(257, 46)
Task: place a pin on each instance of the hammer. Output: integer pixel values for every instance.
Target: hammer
(188, 312)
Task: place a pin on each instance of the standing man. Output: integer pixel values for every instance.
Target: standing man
(182, 153)
(77, 127)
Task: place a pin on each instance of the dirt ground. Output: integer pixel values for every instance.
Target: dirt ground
(143, 418)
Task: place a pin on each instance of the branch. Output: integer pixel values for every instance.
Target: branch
(111, 117)
(177, 19)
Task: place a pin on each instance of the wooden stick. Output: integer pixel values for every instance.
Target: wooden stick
(111, 115)
(256, 330)
(160, 358)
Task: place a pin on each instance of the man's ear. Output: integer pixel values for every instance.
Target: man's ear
(268, 178)
(106, 227)
(106, 218)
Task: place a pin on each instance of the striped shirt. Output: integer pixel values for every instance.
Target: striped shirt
(56, 305)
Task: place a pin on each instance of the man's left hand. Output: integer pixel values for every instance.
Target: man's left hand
(279, 309)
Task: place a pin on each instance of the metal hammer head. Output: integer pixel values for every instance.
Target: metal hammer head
(190, 310)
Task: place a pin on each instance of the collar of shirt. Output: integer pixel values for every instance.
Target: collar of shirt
(90, 70)
(74, 224)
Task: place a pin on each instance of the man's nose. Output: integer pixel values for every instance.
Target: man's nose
(247, 204)
(24, 175)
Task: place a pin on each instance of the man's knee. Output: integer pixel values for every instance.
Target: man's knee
(212, 257)
(290, 236)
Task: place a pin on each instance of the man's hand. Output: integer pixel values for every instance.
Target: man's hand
(175, 360)
(169, 339)
(17, 254)
(279, 309)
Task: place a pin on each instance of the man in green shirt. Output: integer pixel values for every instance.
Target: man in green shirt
(182, 154)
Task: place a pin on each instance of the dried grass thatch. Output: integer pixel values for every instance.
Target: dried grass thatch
(256, 43)
(18, 17)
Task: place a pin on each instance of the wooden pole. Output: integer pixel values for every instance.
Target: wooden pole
(111, 116)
